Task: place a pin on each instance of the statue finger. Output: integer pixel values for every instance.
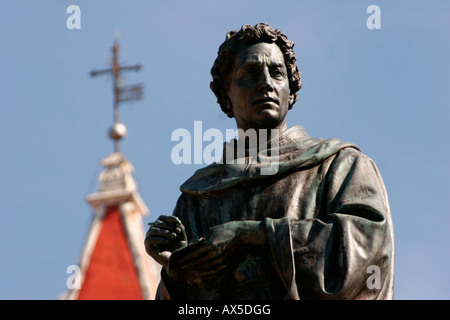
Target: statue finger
(199, 258)
(211, 261)
(155, 240)
(171, 220)
(165, 225)
(191, 256)
(159, 232)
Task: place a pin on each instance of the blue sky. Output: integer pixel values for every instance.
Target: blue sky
(386, 90)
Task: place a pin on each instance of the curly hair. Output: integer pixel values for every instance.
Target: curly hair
(248, 35)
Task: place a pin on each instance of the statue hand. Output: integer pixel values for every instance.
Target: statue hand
(222, 248)
(164, 236)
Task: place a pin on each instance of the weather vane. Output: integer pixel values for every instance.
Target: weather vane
(121, 93)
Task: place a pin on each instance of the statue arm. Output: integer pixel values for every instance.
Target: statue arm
(328, 257)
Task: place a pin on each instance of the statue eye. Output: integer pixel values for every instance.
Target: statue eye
(249, 72)
(277, 72)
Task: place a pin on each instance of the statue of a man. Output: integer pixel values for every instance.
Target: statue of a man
(318, 227)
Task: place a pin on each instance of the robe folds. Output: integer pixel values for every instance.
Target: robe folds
(326, 214)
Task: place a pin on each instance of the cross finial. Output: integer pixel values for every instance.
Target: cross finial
(121, 93)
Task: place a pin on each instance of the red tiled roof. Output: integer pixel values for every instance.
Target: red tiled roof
(111, 273)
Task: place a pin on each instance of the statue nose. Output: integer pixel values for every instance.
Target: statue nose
(265, 81)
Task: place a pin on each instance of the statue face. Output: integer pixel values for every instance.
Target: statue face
(259, 87)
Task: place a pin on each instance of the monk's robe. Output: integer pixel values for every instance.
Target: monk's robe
(326, 214)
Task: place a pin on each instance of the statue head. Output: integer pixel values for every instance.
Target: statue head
(236, 40)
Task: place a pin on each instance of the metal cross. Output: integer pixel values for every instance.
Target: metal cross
(121, 93)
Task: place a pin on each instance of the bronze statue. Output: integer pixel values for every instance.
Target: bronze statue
(318, 228)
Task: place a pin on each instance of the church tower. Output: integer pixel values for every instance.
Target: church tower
(113, 263)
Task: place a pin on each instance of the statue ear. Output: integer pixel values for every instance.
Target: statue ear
(228, 105)
(291, 101)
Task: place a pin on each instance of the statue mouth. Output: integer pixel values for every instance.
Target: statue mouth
(265, 101)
